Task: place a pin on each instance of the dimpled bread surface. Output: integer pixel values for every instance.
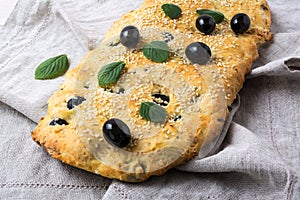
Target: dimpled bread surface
(204, 91)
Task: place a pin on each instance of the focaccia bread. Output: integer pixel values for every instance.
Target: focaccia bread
(188, 100)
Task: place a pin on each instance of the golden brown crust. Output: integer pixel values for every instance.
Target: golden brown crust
(232, 56)
(151, 15)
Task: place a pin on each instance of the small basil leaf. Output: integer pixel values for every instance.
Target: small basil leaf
(153, 112)
(171, 10)
(218, 17)
(52, 68)
(156, 51)
(110, 74)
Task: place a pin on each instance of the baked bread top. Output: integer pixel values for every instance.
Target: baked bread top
(230, 51)
(194, 97)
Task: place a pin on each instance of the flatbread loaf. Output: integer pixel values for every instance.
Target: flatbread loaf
(158, 113)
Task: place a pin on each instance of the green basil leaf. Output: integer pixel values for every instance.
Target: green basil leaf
(171, 10)
(218, 17)
(153, 112)
(110, 74)
(156, 51)
(52, 68)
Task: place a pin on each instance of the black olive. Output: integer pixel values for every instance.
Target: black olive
(108, 90)
(177, 118)
(168, 37)
(240, 23)
(75, 101)
(198, 53)
(161, 99)
(59, 122)
(130, 36)
(206, 24)
(116, 132)
(121, 91)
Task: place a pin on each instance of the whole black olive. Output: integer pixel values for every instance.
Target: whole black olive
(130, 36)
(116, 132)
(240, 23)
(198, 53)
(206, 24)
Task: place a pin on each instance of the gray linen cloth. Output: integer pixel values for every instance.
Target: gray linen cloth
(259, 158)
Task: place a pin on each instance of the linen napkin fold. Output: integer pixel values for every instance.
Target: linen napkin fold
(34, 32)
(280, 57)
(260, 162)
(285, 66)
